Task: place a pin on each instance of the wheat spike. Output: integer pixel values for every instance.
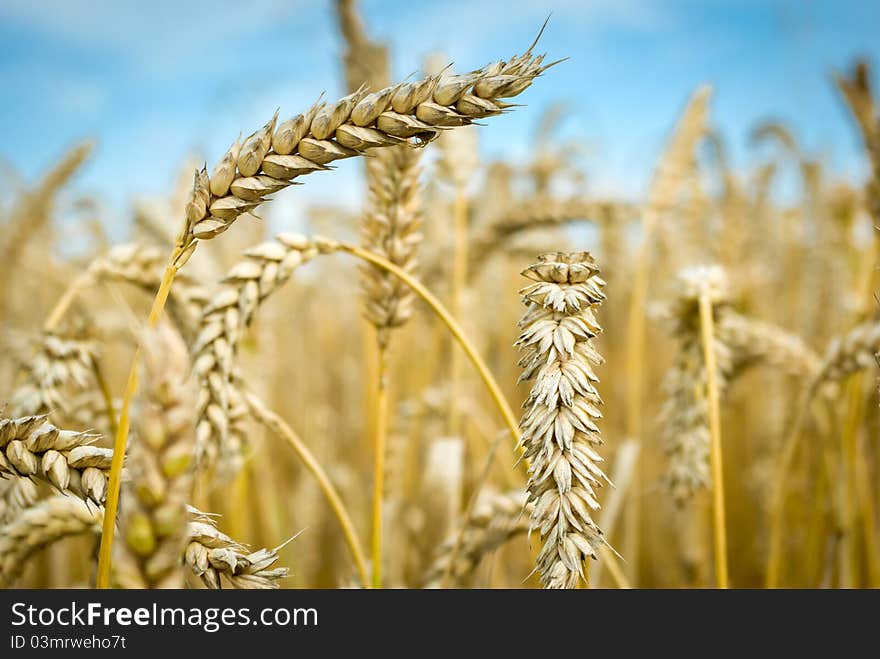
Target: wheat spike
(272, 157)
(220, 408)
(31, 447)
(685, 414)
(559, 431)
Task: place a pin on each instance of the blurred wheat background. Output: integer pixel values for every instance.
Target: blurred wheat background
(626, 300)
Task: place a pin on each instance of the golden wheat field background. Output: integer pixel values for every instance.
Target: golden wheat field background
(483, 373)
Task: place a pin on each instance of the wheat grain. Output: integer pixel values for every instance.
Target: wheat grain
(213, 556)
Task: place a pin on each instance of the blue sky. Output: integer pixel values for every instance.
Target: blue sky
(156, 81)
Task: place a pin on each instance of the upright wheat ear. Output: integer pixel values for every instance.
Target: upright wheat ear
(685, 415)
(559, 430)
(154, 517)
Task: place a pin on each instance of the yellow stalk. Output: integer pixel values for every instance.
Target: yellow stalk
(451, 324)
(720, 531)
(777, 502)
(111, 505)
(280, 427)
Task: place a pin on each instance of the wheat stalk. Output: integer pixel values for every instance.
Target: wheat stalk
(558, 429)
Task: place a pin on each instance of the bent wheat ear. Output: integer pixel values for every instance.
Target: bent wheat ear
(537, 213)
(31, 447)
(559, 431)
(271, 159)
(41, 525)
(209, 554)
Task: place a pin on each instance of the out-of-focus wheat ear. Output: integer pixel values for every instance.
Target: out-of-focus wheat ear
(31, 447)
(848, 353)
(153, 515)
(496, 519)
(365, 61)
(753, 342)
(31, 213)
(141, 266)
(856, 89)
(538, 213)
(41, 525)
(685, 414)
(558, 429)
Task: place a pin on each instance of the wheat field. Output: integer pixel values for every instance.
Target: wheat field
(486, 376)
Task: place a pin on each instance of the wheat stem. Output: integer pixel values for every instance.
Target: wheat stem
(451, 324)
(280, 427)
(720, 532)
(66, 300)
